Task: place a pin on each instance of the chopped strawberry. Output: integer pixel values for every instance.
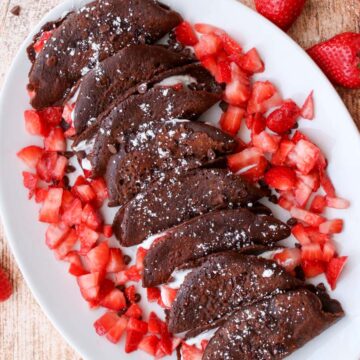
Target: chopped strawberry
(165, 342)
(76, 266)
(117, 330)
(55, 141)
(318, 204)
(115, 300)
(133, 339)
(72, 215)
(34, 124)
(337, 203)
(91, 217)
(304, 156)
(30, 182)
(329, 251)
(280, 156)
(153, 294)
(327, 185)
(311, 180)
(286, 200)
(6, 288)
(307, 110)
(268, 143)
(289, 258)
(264, 96)
(107, 231)
(85, 192)
(204, 343)
(130, 293)
(30, 155)
(89, 285)
(154, 324)
(331, 226)
(67, 200)
(281, 178)
(140, 255)
(210, 64)
(55, 233)
(106, 287)
(316, 237)
(168, 295)
(134, 311)
(300, 234)
(50, 211)
(244, 159)
(52, 115)
(190, 352)
(116, 261)
(120, 278)
(40, 195)
(59, 169)
(207, 29)
(46, 165)
(106, 322)
(76, 270)
(256, 123)
(185, 34)
(284, 118)
(251, 62)
(100, 189)
(334, 269)
(209, 44)
(87, 237)
(306, 216)
(66, 245)
(237, 92)
(98, 257)
(311, 252)
(298, 136)
(223, 72)
(41, 41)
(302, 193)
(133, 274)
(149, 344)
(313, 268)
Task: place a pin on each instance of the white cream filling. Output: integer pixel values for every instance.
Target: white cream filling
(186, 80)
(178, 277)
(85, 145)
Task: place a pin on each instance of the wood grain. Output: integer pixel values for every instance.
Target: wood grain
(25, 332)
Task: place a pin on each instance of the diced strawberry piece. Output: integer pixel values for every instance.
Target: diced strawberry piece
(237, 92)
(331, 226)
(154, 324)
(264, 96)
(223, 73)
(87, 237)
(106, 322)
(280, 156)
(326, 184)
(255, 123)
(210, 64)
(289, 258)
(133, 274)
(98, 257)
(329, 251)
(55, 233)
(117, 330)
(120, 278)
(251, 62)
(185, 34)
(153, 294)
(305, 156)
(30, 182)
(50, 211)
(66, 245)
(204, 343)
(30, 155)
(302, 193)
(337, 203)
(307, 110)
(41, 41)
(298, 136)
(311, 252)
(46, 165)
(76, 270)
(100, 189)
(67, 113)
(116, 261)
(133, 339)
(285, 203)
(316, 237)
(281, 178)
(40, 195)
(67, 201)
(300, 234)
(59, 169)
(149, 344)
(312, 268)
(209, 44)
(266, 142)
(134, 311)
(165, 342)
(91, 217)
(76, 267)
(168, 295)
(107, 231)
(52, 115)
(334, 269)
(138, 326)
(318, 204)
(55, 141)
(244, 159)
(306, 216)
(140, 255)
(284, 118)
(311, 180)
(85, 192)
(89, 286)
(34, 124)
(207, 29)
(190, 352)
(106, 287)
(115, 300)
(72, 216)
(230, 46)
(130, 293)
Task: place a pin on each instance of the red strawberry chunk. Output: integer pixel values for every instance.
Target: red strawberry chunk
(40, 195)
(305, 156)
(133, 339)
(337, 203)
(326, 184)
(307, 110)
(115, 300)
(256, 123)
(289, 258)
(334, 269)
(298, 136)
(55, 141)
(50, 211)
(85, 192)
(76, 270)
(316, 236)
(331, 226)
(210, 64)
(55, 234)
(134, 311)
(116, 261)
(106, 322)
(52, 115)
(168, 295)
(153, 294)
(149, 344)
(165, 343)
(72, 215)
(264, 96)
(30, 182)
(306, 216)
(89, 286)
(120, 278)
(266, 142)
(91, 217)
(45, 166)
(67, 200)
(251, 62)
(34, 124)
(154, 325)
(41, 41)
(281, 178)
(190, 352)
(66, 245)
(76, 267)
(138, 326)
(209, 44)
(100, 189)
(238, 91)
(98, 257)
(130, 293)
(244, 159)
(133, 274)
(185, 34)
(59, 169)
(207, 29)
(313, 268)
(230, 46)
(311, 252)
(117, 330)
(87, 237)
(329, 251)
(30, 155)
(284, 118)
(280, 156)
(318, 204)
(223, 72)
(300, 234)
(140, 255)
(107, 231)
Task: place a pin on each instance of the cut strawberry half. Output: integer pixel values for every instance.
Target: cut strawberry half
(300, 234)
(50, 211)
(313, 268)
(306, 216)
(266, 142)
(55, 141)
(98, 257)
(140, 255)
(153, 294)
(284, 118)
(289, 258)
(116, 261)
(337, 203)
(311, 252)
(30, 155)
(185, 34)
(34, 124)
(318, 204)
(115, 300)
(264, 96)
(190, 352)
(87, 237)
(55, 234)
(66, 245)
(332, 226)
(334, 269)
(280, 156)
(106, 322)
(72, 215)
(281, 178)
(134, 311)
(251, 62)
(115, 333)
(307, 110)
(149, 344)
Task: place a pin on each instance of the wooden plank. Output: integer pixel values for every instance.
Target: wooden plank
(25, 332)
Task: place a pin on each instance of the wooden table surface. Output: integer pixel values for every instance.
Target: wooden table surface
(25, 332)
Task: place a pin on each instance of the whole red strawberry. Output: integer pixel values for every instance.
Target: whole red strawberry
(339, 58)
(5, 286)
(281, 12)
